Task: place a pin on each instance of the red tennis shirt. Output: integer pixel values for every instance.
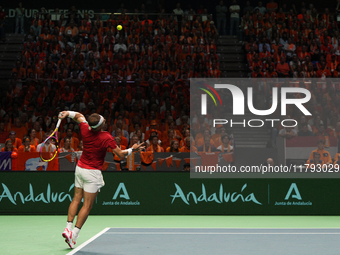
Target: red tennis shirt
(95, 147)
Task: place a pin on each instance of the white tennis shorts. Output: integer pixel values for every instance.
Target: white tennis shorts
(89, 180)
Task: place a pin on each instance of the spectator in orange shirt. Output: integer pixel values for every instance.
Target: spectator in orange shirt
(271, 72)
(153, 127)
(315, 161)
(187, 37)
(32, 135)
(74, 141)
(265, 53)
(26, 146)
(67, 96)
(214, 72)
(133, 35)
(9, 147)
(325, 156)
(119, 124)
(323, 71)
(39, 131)
(15, 141)
(72, 32)
(173, 146)
(119, 145)
(206, 147)
(19, 129)
(136, 139)
(166, 142)
(177, 133)
(326, 47)
(280, 15)
(188, 145)
(124, 141)
(282, 68)
(45, 35)
(21, 72)
(154, 147)
(67, 145)
(310, 73)
(337, 159)
(303, 54)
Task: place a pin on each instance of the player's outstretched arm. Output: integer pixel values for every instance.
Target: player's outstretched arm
(76, 116)
(122, 153)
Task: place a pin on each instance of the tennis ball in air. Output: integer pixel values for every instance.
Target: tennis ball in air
(119, 27)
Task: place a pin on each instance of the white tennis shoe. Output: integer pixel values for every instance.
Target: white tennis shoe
(67, 234)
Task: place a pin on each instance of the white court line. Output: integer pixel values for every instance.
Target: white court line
(87, 242)
(221, 228)
(212, 233)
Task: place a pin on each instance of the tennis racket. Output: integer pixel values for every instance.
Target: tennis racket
(52, 145)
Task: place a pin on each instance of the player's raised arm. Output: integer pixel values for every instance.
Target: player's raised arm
(76, 116)
(122, 153)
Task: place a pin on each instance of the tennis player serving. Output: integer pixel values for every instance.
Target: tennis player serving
(88, 175)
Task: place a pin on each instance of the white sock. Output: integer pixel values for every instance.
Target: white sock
(69, 225)
(75, 232)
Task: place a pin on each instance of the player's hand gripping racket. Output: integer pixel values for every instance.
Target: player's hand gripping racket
(49, 148)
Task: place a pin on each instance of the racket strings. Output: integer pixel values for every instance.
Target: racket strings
(49, 149)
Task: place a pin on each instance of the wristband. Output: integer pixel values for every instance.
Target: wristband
(71, 114)
(129, 151)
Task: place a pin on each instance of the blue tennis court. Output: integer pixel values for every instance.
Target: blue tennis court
(193, 241)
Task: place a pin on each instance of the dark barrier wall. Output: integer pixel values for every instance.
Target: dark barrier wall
(170, 193)
(254, 157)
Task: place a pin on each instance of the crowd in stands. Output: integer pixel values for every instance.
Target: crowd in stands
(297, 42)
(291, 42)
(137, 78)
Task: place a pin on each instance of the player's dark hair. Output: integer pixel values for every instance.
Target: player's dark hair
(94, 119)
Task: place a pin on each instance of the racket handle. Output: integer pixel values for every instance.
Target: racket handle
(58, 124)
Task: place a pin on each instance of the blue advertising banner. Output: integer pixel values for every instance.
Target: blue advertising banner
(6, 161)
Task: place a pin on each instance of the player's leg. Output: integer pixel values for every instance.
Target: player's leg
(72, 211)
(78, 195)
(73, 208)
(89, 199)
(83, 213)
